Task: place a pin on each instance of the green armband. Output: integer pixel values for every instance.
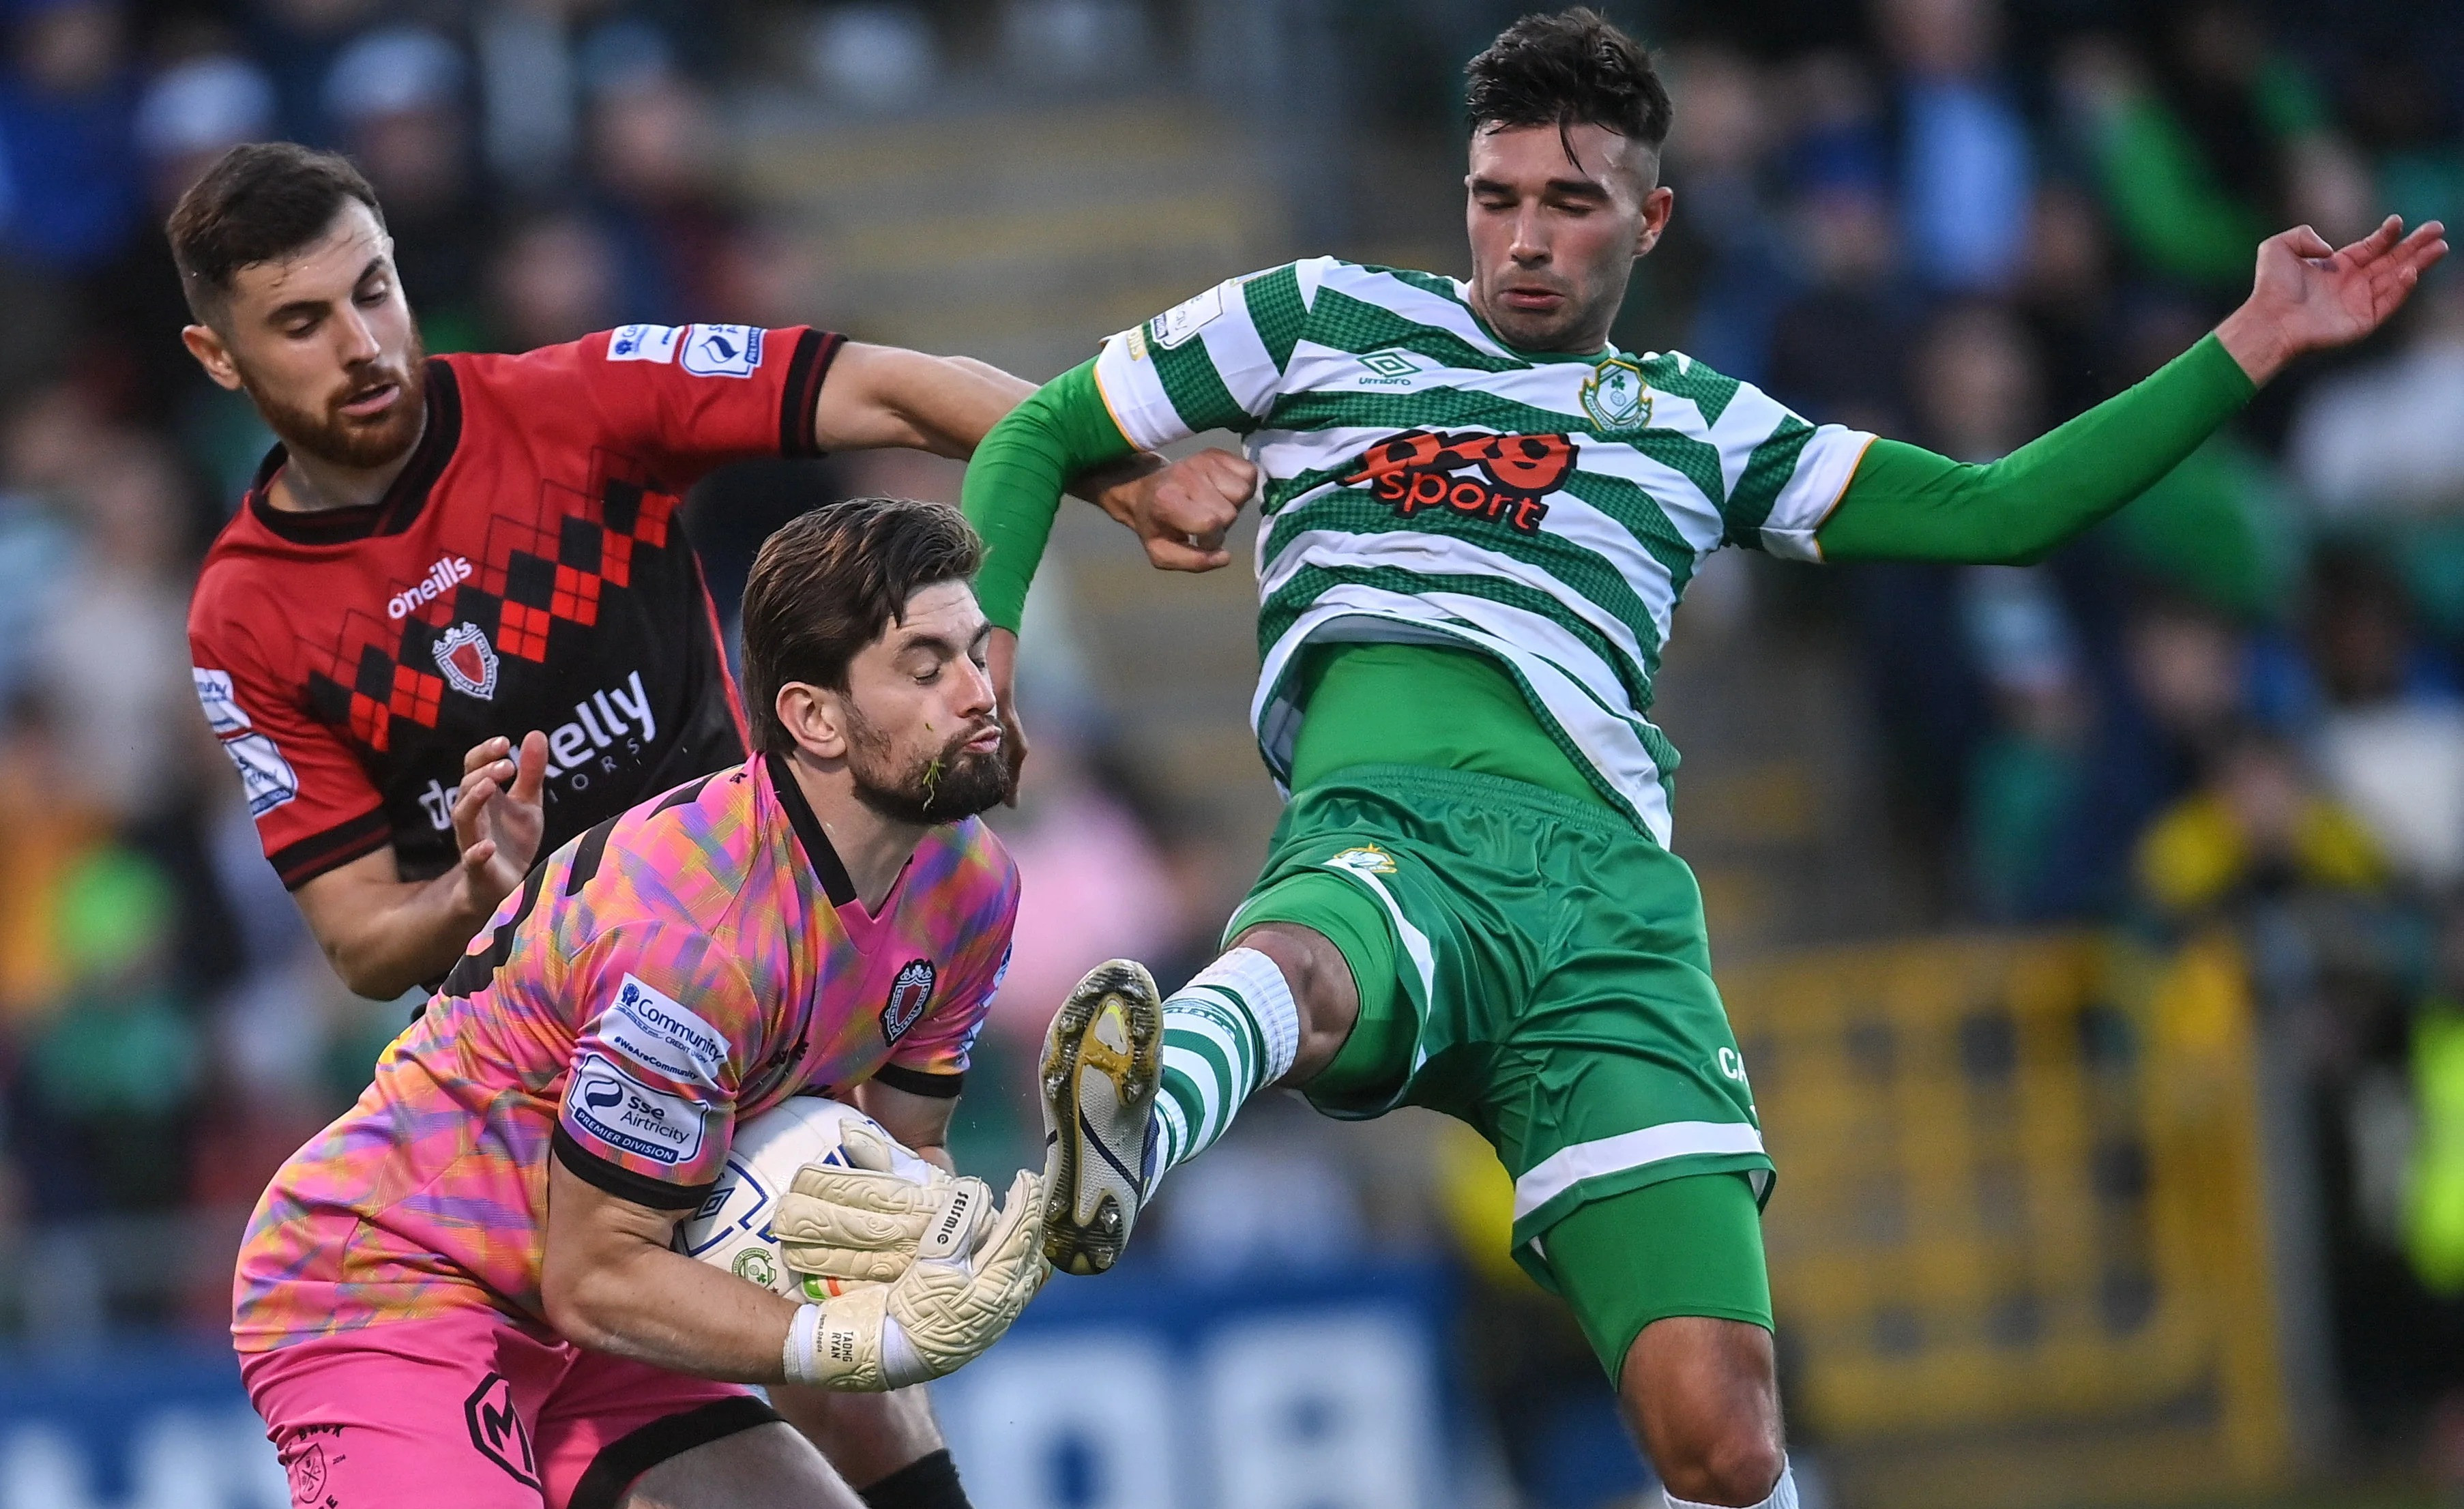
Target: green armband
(1013, 483)
(1909, 504)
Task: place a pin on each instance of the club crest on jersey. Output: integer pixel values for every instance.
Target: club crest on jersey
(467, 660)
(909, 994)
(1617, 397)
(1366, 860)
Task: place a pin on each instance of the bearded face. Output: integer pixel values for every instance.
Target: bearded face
(370, 418)
(924, 780)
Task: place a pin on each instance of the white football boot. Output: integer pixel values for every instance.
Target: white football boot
(1103, 1062)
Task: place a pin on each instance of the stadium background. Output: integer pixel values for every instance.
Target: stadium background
(2093, 929)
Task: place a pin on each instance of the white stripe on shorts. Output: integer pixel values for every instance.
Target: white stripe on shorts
(1569, 1167)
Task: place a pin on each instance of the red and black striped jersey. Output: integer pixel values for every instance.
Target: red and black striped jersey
(527, 570)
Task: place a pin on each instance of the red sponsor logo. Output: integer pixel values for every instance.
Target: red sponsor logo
(1502, 479)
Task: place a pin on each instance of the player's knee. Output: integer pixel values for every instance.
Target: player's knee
(1702, 1396)
(1315, 971)
(1735, 1463)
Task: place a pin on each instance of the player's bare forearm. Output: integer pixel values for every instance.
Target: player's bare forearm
(608, 1283)
(384, 934)
(884, 396)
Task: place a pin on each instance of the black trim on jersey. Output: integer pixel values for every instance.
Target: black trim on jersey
(915, 1082)
(815, 351)
(298, 863)
(929, 1483)
(684, 796)
(827, 866)
(471, 973)
(625, 1459)
(401, 505)
(622, 1182)
(586, 856)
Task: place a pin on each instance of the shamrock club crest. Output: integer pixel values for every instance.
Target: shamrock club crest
(467, 660)
(1616, 396)
(909, 994)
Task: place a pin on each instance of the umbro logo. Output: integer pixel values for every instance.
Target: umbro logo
(1389, 369)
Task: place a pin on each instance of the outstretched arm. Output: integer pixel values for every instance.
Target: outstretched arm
(1013, 489)
(1907, 504)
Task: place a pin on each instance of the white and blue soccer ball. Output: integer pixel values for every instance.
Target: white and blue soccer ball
(731, 1230)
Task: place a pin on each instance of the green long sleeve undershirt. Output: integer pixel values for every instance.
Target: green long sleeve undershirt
(1902, 503)
(1909, 504)
(1013, 487)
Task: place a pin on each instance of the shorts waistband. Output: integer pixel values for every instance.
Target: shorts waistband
(1471, 785)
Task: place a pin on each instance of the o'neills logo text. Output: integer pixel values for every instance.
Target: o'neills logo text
(448, 572)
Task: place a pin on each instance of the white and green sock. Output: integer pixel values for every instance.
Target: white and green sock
(1228, 1034)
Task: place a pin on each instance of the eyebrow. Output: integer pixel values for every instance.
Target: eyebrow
(1586, 188)
(941, 644)
(311, 306)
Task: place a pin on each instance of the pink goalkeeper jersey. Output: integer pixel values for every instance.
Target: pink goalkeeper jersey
(695, 960)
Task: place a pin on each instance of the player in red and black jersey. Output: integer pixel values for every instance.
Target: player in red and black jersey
(470, 566)
(455, 621)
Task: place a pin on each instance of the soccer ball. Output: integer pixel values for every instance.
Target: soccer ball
(732, 1228)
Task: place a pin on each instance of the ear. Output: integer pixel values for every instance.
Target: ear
(814, 717)
(207, 346)
(1657, 205)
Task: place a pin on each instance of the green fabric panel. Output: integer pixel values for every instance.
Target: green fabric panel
(1346, 323)
(1423, 705)
(1766, 471)
(1708, 391)
(1276, 312)
(1601, 584)
(1690, 1246)
(1197, 390)
(1013, 486)
(1309, 583)
(1425, 282)
(1907, 504)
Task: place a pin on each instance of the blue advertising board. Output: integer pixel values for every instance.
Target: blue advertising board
(1137, 1390)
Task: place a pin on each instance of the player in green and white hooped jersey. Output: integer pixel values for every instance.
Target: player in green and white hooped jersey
(1479, 518)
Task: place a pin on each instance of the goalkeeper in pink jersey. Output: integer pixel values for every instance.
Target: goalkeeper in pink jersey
(462, 1291)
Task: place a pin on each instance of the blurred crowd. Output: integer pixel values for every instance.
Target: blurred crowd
(168, 1031)
(2239, 704)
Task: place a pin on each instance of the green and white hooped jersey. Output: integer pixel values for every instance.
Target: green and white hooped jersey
(1424, 482)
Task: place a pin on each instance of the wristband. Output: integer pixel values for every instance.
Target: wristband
(801, 1358)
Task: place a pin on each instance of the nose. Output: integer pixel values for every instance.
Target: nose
(976, 699)
(1531, 245)
(358, 338)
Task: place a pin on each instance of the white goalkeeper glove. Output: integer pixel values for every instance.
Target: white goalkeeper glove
(859, 1223)
(972, 1272)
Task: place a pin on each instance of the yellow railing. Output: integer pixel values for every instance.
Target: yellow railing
(2019, 1244)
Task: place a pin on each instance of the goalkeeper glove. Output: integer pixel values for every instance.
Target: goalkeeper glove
(974, 1270)
(860, 1222)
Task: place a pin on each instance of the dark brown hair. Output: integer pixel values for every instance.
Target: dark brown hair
(260, 202)
(831, 581)
(1570, 69)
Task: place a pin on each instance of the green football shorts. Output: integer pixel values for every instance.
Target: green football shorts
(1536, 966)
